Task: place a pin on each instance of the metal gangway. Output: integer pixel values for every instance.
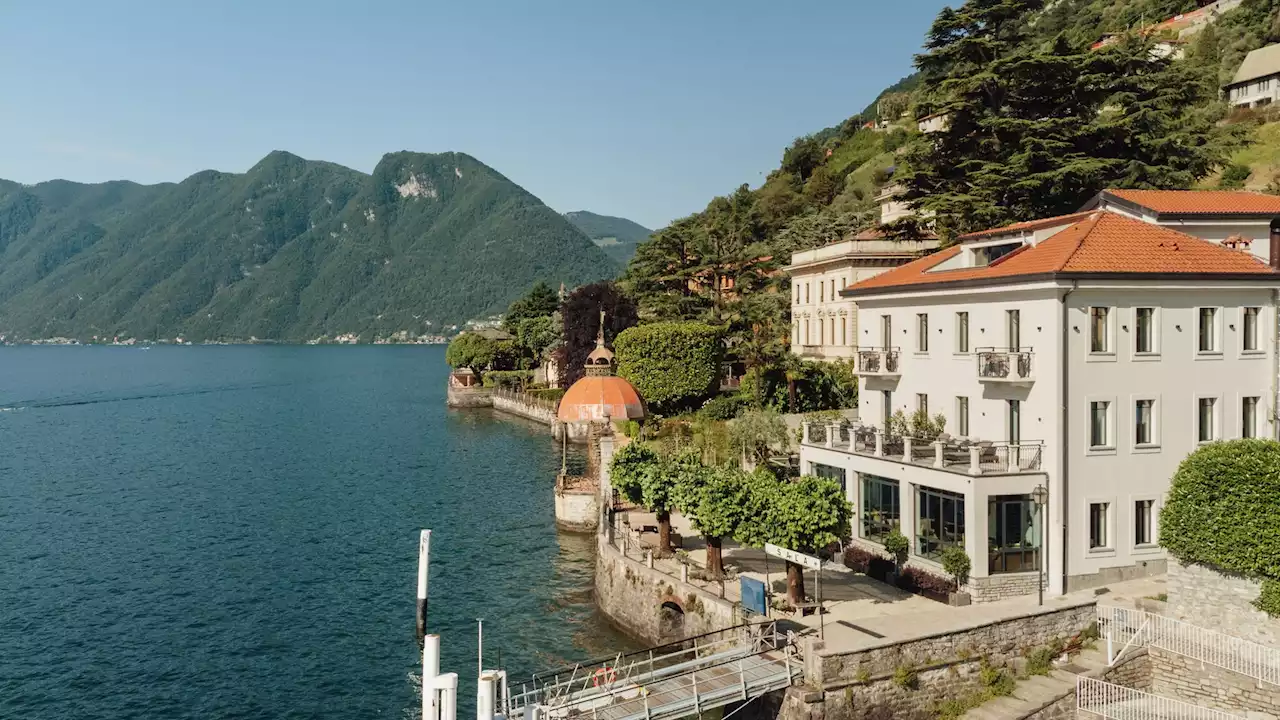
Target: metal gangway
(662, 683)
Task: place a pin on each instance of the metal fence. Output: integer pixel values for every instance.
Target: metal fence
(1124, 628)
(1116, 702)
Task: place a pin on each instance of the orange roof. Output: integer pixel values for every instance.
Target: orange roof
(600, 397)
(1201, 202)
(1102, 243)
(1028, 225)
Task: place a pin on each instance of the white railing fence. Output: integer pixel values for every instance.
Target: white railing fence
(1124, 628)
(1117, 702)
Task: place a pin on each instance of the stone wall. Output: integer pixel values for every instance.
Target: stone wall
(880, 696)
(531, 411)
(652, 606)
(1189, 680)
(1002, 587)
(577, 510)
(1133, 671)
(468, 397)
(1217, 601)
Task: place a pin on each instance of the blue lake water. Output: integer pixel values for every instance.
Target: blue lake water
(231, 532)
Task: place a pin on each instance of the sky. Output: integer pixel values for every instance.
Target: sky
(644, 109)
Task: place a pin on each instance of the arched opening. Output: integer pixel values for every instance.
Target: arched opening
(670, 619)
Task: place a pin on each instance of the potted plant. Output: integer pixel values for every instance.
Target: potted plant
(956, 562)
(897, 545)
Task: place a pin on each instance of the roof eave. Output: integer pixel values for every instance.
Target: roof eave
(1265, 278)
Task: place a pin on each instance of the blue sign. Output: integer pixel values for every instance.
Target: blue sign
(752, 594)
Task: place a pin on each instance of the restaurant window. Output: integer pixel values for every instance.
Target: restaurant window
(922, 332)
(1143, 522)
(1208, 329)
(1249, 417)
(1013, 534)
(962, 416)
(1206, 420)
(939, 521)
(962, 332)
(881, 510)
(1250, 329)
(1098, 537)
(1098, 335)
(829, 472)
(1143, 419)
(1145, 335)
(1099, 436)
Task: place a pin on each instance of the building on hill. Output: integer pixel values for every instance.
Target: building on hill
(1257, 82)
(1085, 355)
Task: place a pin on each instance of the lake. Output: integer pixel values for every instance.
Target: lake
(231, 532)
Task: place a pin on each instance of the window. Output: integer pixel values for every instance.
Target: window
(886, 396)
(880, 507)
(922, 403)
(1208, 329)
(806, 293)
(1144, 337)
(843, 284)
(833, 331)
(829, 472)
(1013, 532)
(922, 332)
(1015, 421)
(886, 332)
(822, 291)
(1142, 522)
(1249, 417)
(1098, 329)
(939, 521)
(962, 332)
(962, 416)
(797, 294)
(844, 331)
(1250, 329)
(1013, 329)
(1206, 430)
(833, 288)
(806, 332)
(1098, 525)
(1098, 431)
(1142, 422)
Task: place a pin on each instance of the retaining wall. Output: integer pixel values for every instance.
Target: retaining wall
(476, 397)
(538, 413)
(1133, 671)
(1198, 683)
(1218, 601)
(577, 510)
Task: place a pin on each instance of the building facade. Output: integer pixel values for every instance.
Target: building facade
(1257, 81)
(1084, 355)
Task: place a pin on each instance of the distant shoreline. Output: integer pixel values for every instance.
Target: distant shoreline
(170, 343)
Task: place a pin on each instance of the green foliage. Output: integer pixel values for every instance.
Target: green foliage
(805, 515)
(754, 434)
(508, 379)
(955, 561)
(580, 320)
(629, 467)
(713, 499)
(673, 365)
(816, 385)
(905, 677)
(724, 407)
(917, 425)
(1235, 176)
(470, 350)
(536, 335)
(540, 302)
(291, 250)
(898, 547)
(1040, 660)
(1221, 508)
(552, 394)
(1269, 599)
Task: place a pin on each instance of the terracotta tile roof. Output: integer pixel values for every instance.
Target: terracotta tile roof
(1027, 225)
(1102, 243)
(1201, 202)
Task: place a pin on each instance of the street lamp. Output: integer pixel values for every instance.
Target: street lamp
(1040, 495)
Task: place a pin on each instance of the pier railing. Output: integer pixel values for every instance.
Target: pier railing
(526, 399)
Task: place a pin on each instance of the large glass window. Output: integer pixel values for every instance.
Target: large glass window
(1098, 335)
(1145, 337)
(1251, 328)
(828, 471)
(1208, 329)
(881, 510)
(1013, 534)
(939, 521)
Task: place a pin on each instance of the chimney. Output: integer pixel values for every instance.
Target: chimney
(1273, 257)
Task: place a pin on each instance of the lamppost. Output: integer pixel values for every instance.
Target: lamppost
(1040, 495)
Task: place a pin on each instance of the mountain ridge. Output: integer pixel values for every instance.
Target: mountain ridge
(617, 236)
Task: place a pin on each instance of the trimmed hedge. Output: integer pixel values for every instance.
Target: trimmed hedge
(672, 364)
(1222, 511)
(508, 379)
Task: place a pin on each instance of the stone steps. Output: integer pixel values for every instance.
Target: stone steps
(1038, 691)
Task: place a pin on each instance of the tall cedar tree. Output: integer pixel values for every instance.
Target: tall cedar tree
(540, 301)
(1035, 131)
(581, 317)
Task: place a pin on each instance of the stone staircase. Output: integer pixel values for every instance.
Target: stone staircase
(1034, 695)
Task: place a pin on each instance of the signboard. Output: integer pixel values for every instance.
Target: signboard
(798, 558)
(752, 594)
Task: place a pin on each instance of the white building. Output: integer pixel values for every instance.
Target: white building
(1257, 81)
(1086, 354)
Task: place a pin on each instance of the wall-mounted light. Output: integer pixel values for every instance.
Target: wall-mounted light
(1178, 328)
(1125, 328)
(1231, 325)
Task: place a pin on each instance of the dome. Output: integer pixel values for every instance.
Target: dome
(600, 397)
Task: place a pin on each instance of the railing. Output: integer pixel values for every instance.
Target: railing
(527, 399)
(1116, 702)
(877, 361)
(973, 458)
(1008, 365)
(811, 350)
(1124, 628)
(1012, 457)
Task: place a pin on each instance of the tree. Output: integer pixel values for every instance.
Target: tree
(713, 501)
(536, 335)
(755, 433)
(955, 561)
(470, 350)
(673, 365)
(662, 274)
(649, 480)
(580, 317)
(540, 301)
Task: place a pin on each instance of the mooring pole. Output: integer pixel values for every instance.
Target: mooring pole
(485, 696)
(424, 562)
(430, 671)
(479, 646)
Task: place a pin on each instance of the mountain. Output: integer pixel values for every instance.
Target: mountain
(291, 250)
(618, 237)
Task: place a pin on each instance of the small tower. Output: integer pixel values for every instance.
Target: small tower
(600, 361)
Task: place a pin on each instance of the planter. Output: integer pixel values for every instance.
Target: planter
(959, 599)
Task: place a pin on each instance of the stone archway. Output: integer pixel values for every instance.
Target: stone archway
(670, 618)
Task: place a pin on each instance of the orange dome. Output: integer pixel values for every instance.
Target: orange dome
(597, 397)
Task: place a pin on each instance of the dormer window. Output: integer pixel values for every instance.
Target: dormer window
(984, 256)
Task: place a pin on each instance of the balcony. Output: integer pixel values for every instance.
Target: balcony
(877, 362)
(1005, 366)
(966, 456)
(813, 351)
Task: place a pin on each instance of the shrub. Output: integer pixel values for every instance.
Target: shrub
(471, 351)
(1269, 600)
(508, 379)
(552, 394)
(897, 545)
(956, 562)
(905, 677)
(671, 364)
(1235, 175)
(925, 583)
(867, 562)
(1221, 512)
(724, 407)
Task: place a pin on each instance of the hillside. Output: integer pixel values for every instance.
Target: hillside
(291, 250)
(618, 237)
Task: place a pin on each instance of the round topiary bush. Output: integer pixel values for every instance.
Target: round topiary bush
(672, 364)
(1222, 511)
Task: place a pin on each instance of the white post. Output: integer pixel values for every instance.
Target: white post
(447, 685)
(648, 558)
(975, 460)
(832, 429)
(430, 671)
(479, 646)
(807, 433)
(938, 450)
(906, 448)
(484, 696)
(879, 444)
(684, 573)
(424, 562)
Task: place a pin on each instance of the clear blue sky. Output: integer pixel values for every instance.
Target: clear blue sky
(639, 108)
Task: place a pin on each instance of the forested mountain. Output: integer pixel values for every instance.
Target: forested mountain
(617, 236)
(291, 250)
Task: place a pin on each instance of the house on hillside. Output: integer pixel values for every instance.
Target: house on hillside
(937, 122)
(1257, 82)
(1058, 352)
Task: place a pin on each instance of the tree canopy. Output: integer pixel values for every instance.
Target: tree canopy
(580, 316)
(540, 301)
(673, 365)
